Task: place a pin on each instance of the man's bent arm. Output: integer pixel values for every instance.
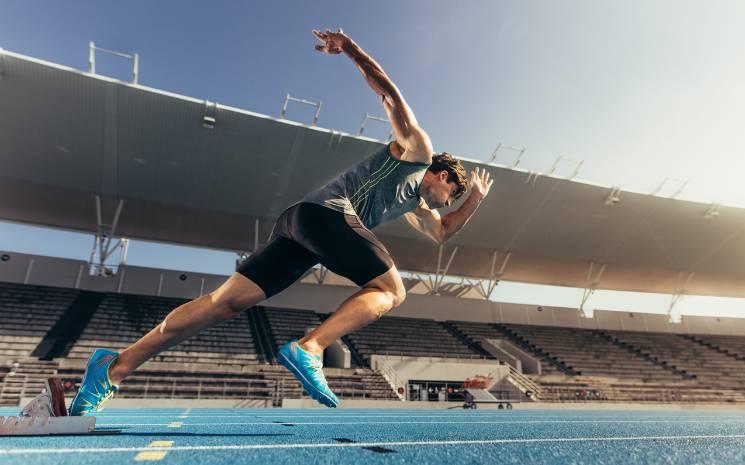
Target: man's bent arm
(455, 220)
(440, 229)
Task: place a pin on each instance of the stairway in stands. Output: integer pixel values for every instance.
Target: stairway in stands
(713, 346)
(535, 350)
(462, 337)
(643, 354)
(68, 328)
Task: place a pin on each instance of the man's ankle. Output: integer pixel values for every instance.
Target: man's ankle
(311, 347)
(116, 372)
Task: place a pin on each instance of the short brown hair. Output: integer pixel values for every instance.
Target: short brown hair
(456, 172)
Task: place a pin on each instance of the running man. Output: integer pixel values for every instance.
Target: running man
(331, 226)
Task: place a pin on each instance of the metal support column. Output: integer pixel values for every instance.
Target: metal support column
(577, 165)
(591, 285)
(682, 183)
(135, 57)
(516, 161)
(374, 118)
(103, 245)
(434, 283)
(678, 293)
(495, 277)
(289, 99)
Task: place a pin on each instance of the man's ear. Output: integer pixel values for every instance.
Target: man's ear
(443, 175)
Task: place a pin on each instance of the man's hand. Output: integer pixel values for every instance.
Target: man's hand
(332, 41)
(480, 183)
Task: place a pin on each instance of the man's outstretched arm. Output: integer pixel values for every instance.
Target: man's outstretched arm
(406, 129)
(440, 229)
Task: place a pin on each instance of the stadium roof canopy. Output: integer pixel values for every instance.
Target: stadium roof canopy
(68, 136)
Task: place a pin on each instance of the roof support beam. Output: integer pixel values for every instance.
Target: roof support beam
(374, 118)
(494, 276)
(593, 280)
(577, 165)
(103, 247)
(434, 282)
(92, 49)
(210, 115)
(516, 161)
(677, 295)
(681, 183)
(320, 273)
(334, 143)
(289, 99)
(532, 177)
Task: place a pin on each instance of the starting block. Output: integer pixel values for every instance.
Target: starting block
(46, 414)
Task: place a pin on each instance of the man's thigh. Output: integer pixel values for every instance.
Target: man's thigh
(357, 254)
(277, 265)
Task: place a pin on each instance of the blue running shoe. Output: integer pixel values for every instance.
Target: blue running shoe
(96, 388)
(307, 368)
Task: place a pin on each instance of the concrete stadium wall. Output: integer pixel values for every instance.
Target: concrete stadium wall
(61, 272)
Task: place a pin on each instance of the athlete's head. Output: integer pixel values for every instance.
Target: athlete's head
(444, 182)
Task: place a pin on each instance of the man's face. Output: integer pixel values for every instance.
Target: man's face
(443, 193)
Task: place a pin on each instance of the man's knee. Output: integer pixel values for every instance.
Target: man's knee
(399, 295)
(236, 295)
(393, 298)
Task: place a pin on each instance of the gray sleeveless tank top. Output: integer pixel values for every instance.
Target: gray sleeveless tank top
(377, 189)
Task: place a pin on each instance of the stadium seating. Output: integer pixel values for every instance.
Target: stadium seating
(705, 364)
(122, 319)
(587, 353)
(26, 315)
(578, 365)
(412, 337)
(473, 331)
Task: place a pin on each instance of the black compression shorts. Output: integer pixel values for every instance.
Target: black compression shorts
(307, 234)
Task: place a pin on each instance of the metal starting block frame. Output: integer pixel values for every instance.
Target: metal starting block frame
(46, 414)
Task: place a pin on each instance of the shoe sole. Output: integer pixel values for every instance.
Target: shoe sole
(299, 374)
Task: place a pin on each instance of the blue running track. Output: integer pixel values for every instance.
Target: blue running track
(310, 437)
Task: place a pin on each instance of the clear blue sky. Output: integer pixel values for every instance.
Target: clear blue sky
(640, 89)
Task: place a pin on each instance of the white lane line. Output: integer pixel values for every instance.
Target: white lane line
(472, 422)
(371, 444)
(289, 415)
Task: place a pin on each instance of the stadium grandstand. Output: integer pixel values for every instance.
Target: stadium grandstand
(119, 161)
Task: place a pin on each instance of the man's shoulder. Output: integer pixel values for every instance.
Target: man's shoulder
(399, 153)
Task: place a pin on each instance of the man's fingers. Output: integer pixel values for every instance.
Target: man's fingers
(319, 34)
(320, 47)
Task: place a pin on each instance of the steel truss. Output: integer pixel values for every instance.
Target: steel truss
(103, 247)
(678, 293)
(591, 284)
